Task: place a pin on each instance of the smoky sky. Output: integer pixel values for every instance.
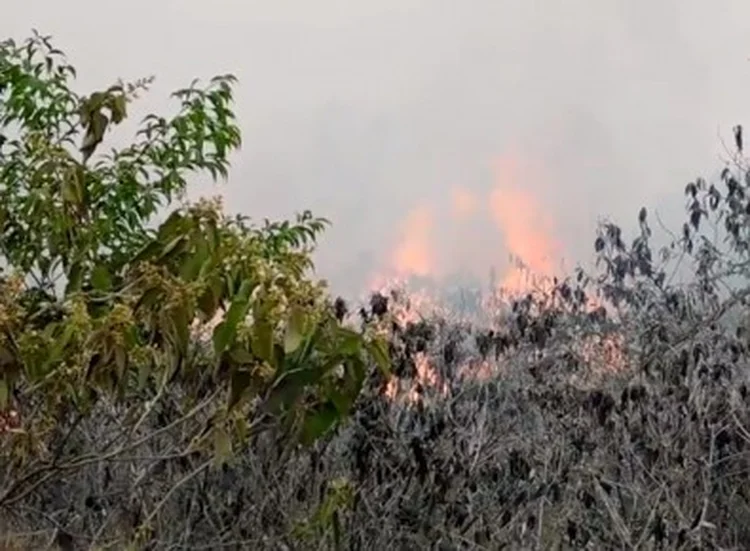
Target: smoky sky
(362, 110)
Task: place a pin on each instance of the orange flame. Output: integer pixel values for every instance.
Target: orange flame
(426, 376)
(464, 203)
(414, 254)
(527, 230)
(529, 236)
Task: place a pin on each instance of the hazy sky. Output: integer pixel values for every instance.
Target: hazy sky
(364, 110)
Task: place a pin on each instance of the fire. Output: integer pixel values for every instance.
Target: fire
(528, 233)
(478, 370)
(414, 254)
(464, 203)
(426, 376)
(527, 230)
(604, 353)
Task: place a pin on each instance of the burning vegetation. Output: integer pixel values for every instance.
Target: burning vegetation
(528, 283)
(544, 410)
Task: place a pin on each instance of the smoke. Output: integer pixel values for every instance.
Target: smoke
(414, 254)
(366, 112)
(505, 226)
(527, 227)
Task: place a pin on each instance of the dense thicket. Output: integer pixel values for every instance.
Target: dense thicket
(561, 426)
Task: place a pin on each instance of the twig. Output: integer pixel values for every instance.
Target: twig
(619, 525)
(174, 488)
(7, 499)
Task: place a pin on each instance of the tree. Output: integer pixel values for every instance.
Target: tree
(198, 333)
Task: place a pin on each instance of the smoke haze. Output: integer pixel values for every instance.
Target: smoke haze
(438, 136)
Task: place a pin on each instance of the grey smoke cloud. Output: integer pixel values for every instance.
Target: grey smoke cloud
(362, 110)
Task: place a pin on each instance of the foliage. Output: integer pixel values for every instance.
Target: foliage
(529, 433)
(101, 310)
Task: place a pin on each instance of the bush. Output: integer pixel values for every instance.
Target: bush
(611, 411)
(128, 350)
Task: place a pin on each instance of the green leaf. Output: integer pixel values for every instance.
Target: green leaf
(4, 394)
(149, 298)
(292, 382)
(208, 264)
(222, 447)
(94, 133)
(319, 422)
(239, 383)
(241, 355)
(378, 349)
(208, 303)
(226, 330)
(192, 265)
(350, 343)
(242, 429)
(295, 330)
(150, 250)
(121, 360)
(176, 246)
(356, 372)
(144, 371)
(181, 328)
(69, 191)
(262, 340)
(60, 343)
(283, 393)
(174, 224)
(119, 108)
(75, 276)
(101, 279)
(342, 401)
(212, 236)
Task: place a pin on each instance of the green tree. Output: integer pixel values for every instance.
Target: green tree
(101, 306)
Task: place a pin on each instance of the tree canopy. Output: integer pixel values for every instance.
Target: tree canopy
(103, 306)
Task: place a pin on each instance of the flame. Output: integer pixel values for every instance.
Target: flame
(464, 203)
(604, 353)
(528, 231)
(529, 236)
(478, 370)
(426, 376)
(414, 254)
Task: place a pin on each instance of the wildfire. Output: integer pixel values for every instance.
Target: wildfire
(528, 233)
(527, 229)
(464, 203)
(604, 353)
(426, 376)
(414, 254)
